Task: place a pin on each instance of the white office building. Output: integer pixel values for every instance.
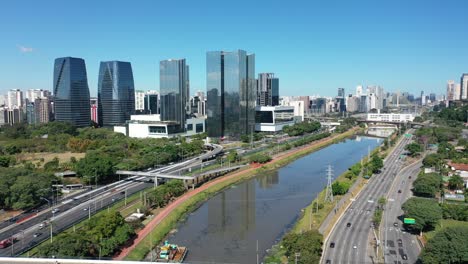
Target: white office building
(398, 118)
(273, 118)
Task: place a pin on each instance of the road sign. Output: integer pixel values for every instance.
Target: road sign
(409, 221)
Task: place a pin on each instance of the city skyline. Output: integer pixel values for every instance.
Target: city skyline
(402, 51)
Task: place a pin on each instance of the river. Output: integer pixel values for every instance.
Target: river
(226, 228)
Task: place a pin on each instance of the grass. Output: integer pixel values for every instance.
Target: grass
(168, 223)
(47, 156)
(443, 223)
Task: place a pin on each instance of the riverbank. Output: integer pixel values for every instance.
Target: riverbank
(162, 224)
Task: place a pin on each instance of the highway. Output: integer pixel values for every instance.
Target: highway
(352, 244)
(401, 247)
(71, 211)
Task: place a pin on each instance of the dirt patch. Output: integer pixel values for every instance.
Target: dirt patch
(45, 157)
(8, 214)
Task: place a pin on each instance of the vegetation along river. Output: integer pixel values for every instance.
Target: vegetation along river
(226, 228)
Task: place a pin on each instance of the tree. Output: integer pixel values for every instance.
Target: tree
(260, 158)
(426, 213)
(95, 164)
(450, 245)
(5, 161)
(382, 201)
(308, 244)
(414, 149)
(233, 156)
(418, 119)
(456, 182)
(433, 160)
(427, 185)
(455, 211)
(340, 188)
(376, 163)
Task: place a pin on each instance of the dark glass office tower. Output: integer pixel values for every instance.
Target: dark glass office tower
(116, 93)
(231, 93)
(267, 89)
(71, 92)
(174, 89)
(151, 104)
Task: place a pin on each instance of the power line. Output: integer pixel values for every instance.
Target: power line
(329, 192)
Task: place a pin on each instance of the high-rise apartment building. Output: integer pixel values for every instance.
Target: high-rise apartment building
(43, 110)
(231, 93)
(174, 90)
(33, 94)
(352, 103)
(116, 93)
(139, 100)
(267, 89)
(71, 92)
(452, 92)
(359, 90)
(14, 98)
(464, 87)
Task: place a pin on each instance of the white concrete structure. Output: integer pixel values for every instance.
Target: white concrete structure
(274, 118)
(151, 126)
(15, 98)
(139, 100)
(299, 107)
(399, 118)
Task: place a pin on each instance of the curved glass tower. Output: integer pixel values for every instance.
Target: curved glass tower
(71, 92)
(116, 93)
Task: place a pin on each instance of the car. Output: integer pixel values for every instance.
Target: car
(332, 244)
(399, 191)
(400, 242)
(37, 234)
(348, 224)
(55, 210)
(354, 246)
(404, 256)
(395, 224)
(75, 198)
(328, 261)
(42, 225)
(85, 209)
(409, 177)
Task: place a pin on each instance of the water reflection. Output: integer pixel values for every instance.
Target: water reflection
(226, 228)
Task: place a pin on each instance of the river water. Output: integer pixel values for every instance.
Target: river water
(226, 228)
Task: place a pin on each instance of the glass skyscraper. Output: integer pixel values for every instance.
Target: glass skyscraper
(174, 91)
(116, 93)
(231, 93)
(267, 89)
(71, 92)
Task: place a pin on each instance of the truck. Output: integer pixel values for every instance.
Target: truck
(171, 253)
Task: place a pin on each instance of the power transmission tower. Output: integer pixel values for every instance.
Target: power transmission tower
(329, 192)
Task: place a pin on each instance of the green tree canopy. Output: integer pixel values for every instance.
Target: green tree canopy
(450, 245)
(427, 185)
(308, 244)
(414, 149)
(426, 212)
(456, 182)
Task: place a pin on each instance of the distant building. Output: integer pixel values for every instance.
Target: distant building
(94, 109)
(432, 97)
(15, 98)
(71, 92)
(273, 118)
(359, 90)
(152, 103)
(464, 87)
(341, 92)
(139, 100)
(399, 118)
(363, 104)
(318, 106)
(31, 113)
(267, 89)
(33, 94)
(231, 93)
(352, 104)
(43, 110)
(116, 93)
(197, 104)
(174, 89)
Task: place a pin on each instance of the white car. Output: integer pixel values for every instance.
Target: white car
(354, 246)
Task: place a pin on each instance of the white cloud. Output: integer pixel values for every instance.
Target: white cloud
(24, 49)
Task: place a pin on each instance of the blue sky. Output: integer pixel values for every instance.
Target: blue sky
(314, 47)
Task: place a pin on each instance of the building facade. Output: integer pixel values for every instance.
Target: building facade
(139, 100)
(267, 89)
(71, 92)
(464, 87)
(116, 93)
(174, 91)
(15, 98)
(231, 93)
(273, 118)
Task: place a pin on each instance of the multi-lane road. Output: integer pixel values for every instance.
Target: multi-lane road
(352, 238)
(399, 246)
(70, 211)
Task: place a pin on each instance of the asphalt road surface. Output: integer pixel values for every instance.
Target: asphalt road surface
(353, 235)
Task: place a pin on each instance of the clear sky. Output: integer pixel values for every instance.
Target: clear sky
(314, 47)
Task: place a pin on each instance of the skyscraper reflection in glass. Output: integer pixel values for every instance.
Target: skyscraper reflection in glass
(174, 90)
(116, 93)
(231, 93)
(71, 92)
